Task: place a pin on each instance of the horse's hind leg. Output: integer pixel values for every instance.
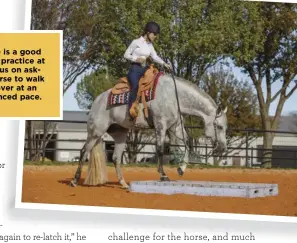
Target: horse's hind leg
(89, 144)
(160, 134)
(120, 136)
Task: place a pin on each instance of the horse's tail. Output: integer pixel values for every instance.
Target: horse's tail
(97, 170)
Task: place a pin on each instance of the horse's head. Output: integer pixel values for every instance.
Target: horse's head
(215, 128)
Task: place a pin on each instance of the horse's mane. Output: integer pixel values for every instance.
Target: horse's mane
(193, 86)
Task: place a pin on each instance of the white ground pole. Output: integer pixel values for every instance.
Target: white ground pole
(205, 188)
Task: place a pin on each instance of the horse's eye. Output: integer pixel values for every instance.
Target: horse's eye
(220, 127)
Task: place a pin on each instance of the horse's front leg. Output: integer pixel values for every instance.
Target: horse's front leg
(179, 137)
(160, 134)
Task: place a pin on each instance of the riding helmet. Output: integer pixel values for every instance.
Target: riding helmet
(152, 27)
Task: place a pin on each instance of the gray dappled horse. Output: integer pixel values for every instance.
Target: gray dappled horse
(165, 116)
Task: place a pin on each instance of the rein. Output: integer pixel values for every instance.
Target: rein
(180, 115)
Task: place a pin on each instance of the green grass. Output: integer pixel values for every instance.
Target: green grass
(146, 165)
(49, 163)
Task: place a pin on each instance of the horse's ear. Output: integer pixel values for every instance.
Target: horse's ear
(226, 109)
(219, 111)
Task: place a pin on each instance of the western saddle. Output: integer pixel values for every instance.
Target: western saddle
(146, 82)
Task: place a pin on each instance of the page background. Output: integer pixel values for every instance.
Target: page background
(97, 226)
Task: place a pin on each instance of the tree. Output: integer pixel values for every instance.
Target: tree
(91, 86)
(194, 34)
(38, 135)
(79, 22)
(239, 96)
(267, 51)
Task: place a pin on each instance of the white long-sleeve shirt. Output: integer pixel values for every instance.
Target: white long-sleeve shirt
(140, 47)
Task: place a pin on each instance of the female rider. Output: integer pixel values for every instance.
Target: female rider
(137, 53)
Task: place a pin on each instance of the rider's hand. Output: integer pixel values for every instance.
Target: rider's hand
(167, 66)
(141, 59)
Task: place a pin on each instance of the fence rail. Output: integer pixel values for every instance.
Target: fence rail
(283, 155)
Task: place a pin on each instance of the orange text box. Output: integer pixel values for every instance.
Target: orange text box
(30, 75)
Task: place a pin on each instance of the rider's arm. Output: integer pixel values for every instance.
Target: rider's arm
(128, 54)
(155, 56)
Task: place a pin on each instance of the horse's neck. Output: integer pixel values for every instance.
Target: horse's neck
(195, 102)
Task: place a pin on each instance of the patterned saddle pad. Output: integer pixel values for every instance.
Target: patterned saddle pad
(121, 99)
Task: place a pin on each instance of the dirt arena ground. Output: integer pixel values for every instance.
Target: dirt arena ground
(49, 184)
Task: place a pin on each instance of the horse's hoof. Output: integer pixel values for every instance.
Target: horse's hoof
(164, 178)
(125, 186)
(180, 171)
(73, 184)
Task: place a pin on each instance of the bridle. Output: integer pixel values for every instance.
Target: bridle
(215, 127)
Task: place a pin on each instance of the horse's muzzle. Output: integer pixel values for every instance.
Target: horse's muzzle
(220, 148)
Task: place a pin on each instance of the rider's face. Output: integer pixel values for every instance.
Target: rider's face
(152, 36)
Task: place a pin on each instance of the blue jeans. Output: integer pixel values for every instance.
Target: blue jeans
(134, 75)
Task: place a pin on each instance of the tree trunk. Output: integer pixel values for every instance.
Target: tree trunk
(267, 153)
(49, 130)
(37, 157)
(131, 153)
(267, 142)
(132, 158)
(270, 124)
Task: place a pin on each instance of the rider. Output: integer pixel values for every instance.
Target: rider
(137, 53)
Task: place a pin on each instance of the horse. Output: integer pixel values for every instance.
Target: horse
(164, 113)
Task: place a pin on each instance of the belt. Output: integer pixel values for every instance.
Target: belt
(135, 63)
(139, 64)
